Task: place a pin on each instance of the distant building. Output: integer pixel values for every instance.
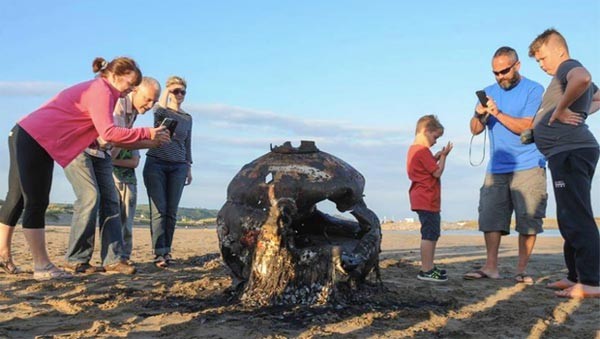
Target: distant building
(409, 219)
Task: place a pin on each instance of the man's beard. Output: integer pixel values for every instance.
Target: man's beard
(510, 83)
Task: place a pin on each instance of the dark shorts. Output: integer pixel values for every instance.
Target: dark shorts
(430, 225)
(523, 192)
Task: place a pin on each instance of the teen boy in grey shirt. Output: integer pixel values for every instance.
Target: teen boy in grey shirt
(572, 152)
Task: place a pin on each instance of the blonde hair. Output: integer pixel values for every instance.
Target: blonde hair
(175, 80)
(429, 123)
(544, 38)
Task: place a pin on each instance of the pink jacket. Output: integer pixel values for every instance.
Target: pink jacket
(75, 117)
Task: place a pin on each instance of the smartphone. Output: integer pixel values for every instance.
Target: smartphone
(170, 124)
(482, 97)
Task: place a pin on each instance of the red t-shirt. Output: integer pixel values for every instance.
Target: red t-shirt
(425, 189)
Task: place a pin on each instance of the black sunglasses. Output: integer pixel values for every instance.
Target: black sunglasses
(506, 70)
(178, 91)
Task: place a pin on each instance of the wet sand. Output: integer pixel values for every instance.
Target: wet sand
(187, 299)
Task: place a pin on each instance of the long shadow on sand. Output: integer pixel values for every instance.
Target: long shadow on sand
(190, 300)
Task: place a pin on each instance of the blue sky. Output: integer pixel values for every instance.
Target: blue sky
(352, 75)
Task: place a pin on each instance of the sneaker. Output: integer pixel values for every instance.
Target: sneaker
(120, 267)
(433, 275)
(442, 272)
(169, 259)
(82, 268)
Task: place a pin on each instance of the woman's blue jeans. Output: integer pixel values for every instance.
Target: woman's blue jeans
(164, 182)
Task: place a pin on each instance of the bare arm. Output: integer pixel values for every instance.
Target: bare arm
(443, 154)
(441, 166)
(515, 125)
(162, 100)
(138, 145)
(476, 125)
(578, 80)
(168, 100)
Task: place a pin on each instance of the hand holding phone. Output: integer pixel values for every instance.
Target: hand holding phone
(170, 124)
(483, 99)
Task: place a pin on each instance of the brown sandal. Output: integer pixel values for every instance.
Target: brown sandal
(9, 267)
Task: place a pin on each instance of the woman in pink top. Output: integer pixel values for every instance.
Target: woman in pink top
(59, 131)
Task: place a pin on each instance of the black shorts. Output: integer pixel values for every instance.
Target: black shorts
(430, 225)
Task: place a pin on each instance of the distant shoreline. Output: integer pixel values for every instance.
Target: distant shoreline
(549, 224)
(396, 226)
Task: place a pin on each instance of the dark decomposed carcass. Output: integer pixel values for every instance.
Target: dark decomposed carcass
(278, 246)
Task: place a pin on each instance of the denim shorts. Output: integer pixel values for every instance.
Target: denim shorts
(430, 225)
(523, 192)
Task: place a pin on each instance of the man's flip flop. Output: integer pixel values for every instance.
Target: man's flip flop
(524, 278)
(475, 275)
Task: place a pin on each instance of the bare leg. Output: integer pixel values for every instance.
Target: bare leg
(427, 254)
(526, 243)
(6, 235)
(492, 245)
(36, 238)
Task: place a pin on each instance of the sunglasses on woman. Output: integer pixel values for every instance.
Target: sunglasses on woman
(178, 91)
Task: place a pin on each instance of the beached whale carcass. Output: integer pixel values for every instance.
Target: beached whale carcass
(276, 242)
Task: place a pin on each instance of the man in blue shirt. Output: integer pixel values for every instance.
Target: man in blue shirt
(515, 179)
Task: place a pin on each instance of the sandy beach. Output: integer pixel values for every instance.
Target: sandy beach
(187, 300)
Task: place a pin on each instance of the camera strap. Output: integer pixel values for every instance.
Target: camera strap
(471, 147)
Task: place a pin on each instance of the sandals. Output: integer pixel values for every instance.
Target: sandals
(9, 267)
(160, 261)
(51, 272)
(524, 278)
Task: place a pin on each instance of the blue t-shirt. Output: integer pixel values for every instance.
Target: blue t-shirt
(507, 153)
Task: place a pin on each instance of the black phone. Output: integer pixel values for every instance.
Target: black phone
(170, 124)
(482, 97)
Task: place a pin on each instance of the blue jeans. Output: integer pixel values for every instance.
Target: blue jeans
(128, 203)
(93, 184)
(164, 182)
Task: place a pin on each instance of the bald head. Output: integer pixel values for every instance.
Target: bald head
(145, 95)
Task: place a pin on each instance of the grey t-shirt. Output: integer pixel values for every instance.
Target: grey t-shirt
(559, 137)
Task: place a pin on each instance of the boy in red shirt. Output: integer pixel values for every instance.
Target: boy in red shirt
(424, 170)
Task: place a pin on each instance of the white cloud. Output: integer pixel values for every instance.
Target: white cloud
(236, 117)
(227, 137)
(30, 88)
